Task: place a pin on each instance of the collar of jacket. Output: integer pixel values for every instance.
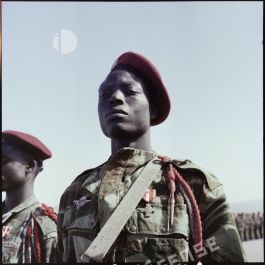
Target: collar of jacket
(27, 203)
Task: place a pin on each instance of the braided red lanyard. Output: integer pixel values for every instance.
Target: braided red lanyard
(194, 214)
(37, 242)
(28, 244)
(33, 240)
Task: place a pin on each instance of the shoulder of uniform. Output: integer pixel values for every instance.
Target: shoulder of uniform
(192, 172)
(87, 173)
(72, 191)
(46, 217)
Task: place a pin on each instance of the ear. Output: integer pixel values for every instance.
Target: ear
(31, 166)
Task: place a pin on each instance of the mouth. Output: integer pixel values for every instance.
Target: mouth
(116, 112)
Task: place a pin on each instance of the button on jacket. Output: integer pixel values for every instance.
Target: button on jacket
(88, 202)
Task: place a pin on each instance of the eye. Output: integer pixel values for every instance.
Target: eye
(103, 94)
(131, 90)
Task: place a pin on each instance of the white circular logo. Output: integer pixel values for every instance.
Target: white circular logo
(64, 41)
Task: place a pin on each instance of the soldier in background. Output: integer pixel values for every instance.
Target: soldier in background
(29, 233)
(249, 227)
(240, 225)
(257, 222)
(245, 218)
(261, 224)
(184, 205)
(252, 226)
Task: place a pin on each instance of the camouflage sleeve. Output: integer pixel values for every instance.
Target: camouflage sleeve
(46, 221)
(220, 234)
(50, 248)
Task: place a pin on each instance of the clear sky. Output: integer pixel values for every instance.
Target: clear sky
(208, 53)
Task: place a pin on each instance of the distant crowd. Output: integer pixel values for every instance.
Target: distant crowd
(250, 225)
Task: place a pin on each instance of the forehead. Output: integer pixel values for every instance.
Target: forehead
(122, 76)
(11, 151)
(8, 149)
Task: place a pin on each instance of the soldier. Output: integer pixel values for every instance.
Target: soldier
(249, 227)
(139, 206)
(246, 226)
(257, 222)
(240, 226)
(261, 225)
(29, 232)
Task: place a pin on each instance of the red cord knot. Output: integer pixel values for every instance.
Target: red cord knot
(49, 212)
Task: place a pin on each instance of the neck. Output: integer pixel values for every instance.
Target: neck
(17, 196)
(143, 143)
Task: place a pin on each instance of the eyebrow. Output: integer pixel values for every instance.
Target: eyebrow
(110, 83)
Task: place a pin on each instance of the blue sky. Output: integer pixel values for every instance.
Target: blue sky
(208, 53)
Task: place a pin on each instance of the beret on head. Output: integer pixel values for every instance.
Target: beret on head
(26, 142)
(139, 64)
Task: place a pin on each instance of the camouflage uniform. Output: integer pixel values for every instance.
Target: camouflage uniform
(89, 201)
(240, 226)
(256, 220)
(29, 233)
(261, 226)
(248, 226)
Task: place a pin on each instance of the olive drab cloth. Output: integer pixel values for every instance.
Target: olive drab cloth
(28, 234)
(89, 201)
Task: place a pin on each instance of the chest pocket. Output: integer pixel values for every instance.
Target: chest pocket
(81, 226)
(148, 232)
(84, 217)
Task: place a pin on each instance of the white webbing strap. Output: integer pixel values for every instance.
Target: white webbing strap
(112, 228)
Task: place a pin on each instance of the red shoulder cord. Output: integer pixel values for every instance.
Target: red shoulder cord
(28, 243)
(35, 232)
(49, 212)
(37, 242)
(173, 174)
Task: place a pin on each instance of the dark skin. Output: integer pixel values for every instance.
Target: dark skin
(18, 175)
(125, 111)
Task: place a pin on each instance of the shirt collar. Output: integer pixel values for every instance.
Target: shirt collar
(25, 204)
(124, 157)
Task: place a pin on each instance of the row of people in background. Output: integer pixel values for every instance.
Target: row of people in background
(250, 225)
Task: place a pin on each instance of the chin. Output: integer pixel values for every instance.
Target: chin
(118, 132)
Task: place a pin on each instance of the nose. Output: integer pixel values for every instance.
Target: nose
(117, 98)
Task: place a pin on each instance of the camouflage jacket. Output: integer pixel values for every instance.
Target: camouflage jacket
(89, 201)
(29, 233)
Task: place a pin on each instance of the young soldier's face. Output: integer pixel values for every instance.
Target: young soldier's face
(123, 106)
(13, 168)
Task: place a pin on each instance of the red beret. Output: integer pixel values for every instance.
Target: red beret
(158, 90)
(27, 142)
